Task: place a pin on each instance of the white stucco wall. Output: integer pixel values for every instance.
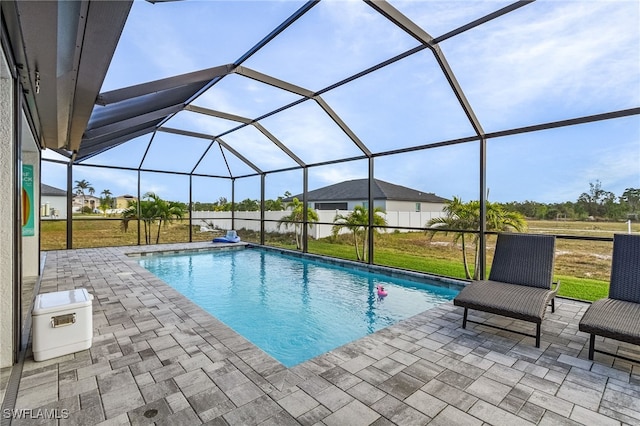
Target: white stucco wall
(7, 224)
(56, 203)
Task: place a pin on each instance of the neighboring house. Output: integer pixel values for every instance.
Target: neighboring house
(122, 201)
(53, 202)
(406, 209)
(90, 201)
(390, 197)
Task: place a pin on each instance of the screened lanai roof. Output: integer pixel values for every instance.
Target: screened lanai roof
(235, 89)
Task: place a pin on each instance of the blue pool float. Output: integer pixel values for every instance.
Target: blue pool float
(231, 237)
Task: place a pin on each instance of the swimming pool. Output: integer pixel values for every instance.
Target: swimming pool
(292, 308)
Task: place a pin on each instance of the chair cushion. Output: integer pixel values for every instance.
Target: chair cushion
(616, 319)
(510, 300)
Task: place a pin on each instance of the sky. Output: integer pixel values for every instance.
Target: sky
(545, 62)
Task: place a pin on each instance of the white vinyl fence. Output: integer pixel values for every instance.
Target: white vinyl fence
(222, 220)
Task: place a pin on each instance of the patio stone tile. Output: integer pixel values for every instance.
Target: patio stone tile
(244, 393)
(552, 419)
(373, 375)
(353, 414)
(358, 363)
(389, 366)
(453, 416)
(531, 412)
(37, 396)
(91, 415)
(210, 404)
(427, 404)
(159, 390)
(620, 413)
(298, 403)
(580, 395)
(589, 417)
(512, 403)
(478, 361)
(314, 416)
(423, 370)
(461, 367)
(39, 378)
(149, 413)
(93, 369)
(280, 419)
(449, 394)
(539, 384)
(314, 385)
(253, 413)
(114, 379)
(366, 393)
(496, 416)
(186, 417)
(71, 388)
(503, 374)
(333, 398)
(123, 399)
(92, 397)
(489, 390)
(193, 382)
(552, 403)
(341, 378)
(527, 367)
(404, 357)
(401, 385)
(455, 379)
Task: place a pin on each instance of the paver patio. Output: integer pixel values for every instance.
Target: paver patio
(157, 357)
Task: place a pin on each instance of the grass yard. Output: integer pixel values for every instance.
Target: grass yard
(582, 266)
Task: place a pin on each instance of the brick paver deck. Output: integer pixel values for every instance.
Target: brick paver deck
(157, 357)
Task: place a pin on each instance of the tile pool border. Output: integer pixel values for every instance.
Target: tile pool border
(414, 276)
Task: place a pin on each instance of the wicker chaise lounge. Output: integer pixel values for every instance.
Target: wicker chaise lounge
(618, 316)
(520, 282)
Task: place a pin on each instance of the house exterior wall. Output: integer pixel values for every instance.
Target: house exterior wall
(7, 213)
(53, 207)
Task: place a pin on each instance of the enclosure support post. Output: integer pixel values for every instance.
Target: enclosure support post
(370, 230)
(70, 204)
(482, 241)
(305, 212)
(139, 207)
(190, 208)
(233, 203)
(262, 192)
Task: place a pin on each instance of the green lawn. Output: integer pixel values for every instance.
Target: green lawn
(582, 267)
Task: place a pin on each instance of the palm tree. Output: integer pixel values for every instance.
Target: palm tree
(105, 201)
(152, 208)
(81, 186)
(357, 222)
(461, 218)
(296, 217)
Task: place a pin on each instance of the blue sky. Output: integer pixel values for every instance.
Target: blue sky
(547, 61)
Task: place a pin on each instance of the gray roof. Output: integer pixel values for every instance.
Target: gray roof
(52, 190)
(357, 190)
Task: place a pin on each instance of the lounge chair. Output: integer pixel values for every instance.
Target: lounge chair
(230, 237)
(520, 282)
(618, 316)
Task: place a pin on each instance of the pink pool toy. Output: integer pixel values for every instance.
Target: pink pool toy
(381, 291)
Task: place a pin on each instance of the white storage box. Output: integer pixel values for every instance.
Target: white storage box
(62, 323)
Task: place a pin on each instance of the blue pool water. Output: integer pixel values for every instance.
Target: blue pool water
(292, 308)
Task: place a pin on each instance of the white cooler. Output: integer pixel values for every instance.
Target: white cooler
(62, 323)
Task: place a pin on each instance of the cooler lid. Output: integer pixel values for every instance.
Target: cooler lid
(47, 303)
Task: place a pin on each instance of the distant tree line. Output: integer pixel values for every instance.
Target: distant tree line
(595, 204)
(246, 205)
